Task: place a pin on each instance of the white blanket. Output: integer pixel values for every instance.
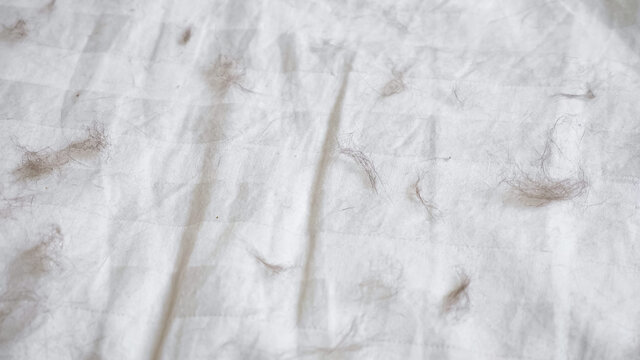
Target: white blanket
(320, 179)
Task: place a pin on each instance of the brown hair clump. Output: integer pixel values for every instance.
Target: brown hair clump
(224, 74)
(37, 164)
(458, 296)
(15, 32)
(395, 85)
(542, 189)
(24, 300)
(186, 36)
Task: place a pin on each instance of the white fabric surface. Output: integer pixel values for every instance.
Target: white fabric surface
(222, 221)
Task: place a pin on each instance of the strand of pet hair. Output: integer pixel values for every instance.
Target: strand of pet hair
(457, 294)
(273, 268)
(345, 344)
(365, 163)
(589, 95)
(429, 206)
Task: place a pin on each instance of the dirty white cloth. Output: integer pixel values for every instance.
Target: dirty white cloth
(283, 179)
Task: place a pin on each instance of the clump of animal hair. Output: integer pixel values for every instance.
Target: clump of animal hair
(395, 85)
(50, 6)
(94, 143)
(432, 211)
(37, 164)
(15, 32)
(458, 296)
(6, 211)
(225, 73)
(186, 36)
(24, 300)
(364, 163)
(542, 189)
(43, 257)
